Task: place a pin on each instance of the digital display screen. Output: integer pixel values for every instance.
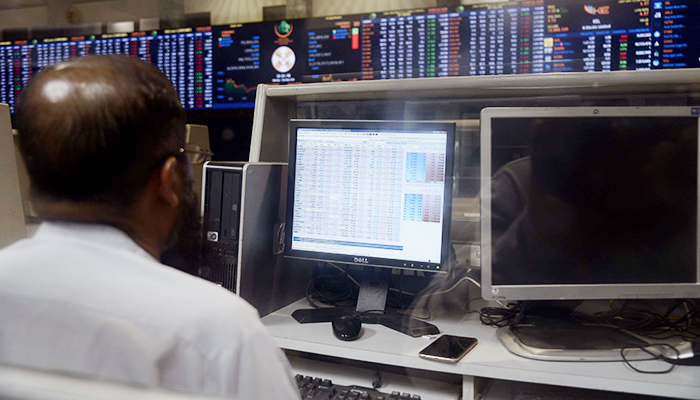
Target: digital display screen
(334, 49)
(602, 200)
(250, 54)
(370, 193)
(221, 66)
(185, 57)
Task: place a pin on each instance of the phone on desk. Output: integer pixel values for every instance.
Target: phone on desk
(448, 348)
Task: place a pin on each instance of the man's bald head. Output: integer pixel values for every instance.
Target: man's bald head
(93, 129)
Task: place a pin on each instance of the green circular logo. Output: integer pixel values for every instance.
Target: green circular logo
(284, 27)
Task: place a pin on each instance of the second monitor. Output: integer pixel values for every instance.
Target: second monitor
(370, 193)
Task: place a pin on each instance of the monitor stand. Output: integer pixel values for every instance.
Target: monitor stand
(371, 306)
(552, 340)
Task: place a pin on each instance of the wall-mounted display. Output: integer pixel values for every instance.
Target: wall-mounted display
(220, 66)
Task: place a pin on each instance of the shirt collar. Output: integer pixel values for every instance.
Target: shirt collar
(93, 233)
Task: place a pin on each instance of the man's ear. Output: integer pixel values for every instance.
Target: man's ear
(169, 182)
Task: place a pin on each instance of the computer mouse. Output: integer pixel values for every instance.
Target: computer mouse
(347, 327)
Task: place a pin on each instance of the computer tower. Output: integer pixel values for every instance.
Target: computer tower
(243, 209)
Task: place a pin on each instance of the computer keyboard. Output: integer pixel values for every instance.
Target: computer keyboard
(323, 389)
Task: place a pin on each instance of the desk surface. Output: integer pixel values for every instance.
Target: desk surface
(489, 359)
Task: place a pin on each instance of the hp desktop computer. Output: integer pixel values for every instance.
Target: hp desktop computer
(243, 206)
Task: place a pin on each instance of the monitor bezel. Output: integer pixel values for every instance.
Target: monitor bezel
(443, 266)
(490, 291)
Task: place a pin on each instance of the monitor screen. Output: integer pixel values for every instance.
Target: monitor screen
(593, 200)
(370, 193)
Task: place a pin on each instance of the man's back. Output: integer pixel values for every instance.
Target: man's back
(87, 300)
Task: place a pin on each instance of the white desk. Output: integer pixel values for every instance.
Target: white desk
(488, 360)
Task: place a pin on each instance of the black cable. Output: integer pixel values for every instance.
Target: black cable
(644, 323)
(648, 323)
(331, 287)
(426, 318)
(654, 357)
(499, 316)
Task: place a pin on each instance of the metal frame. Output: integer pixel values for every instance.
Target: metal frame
(580, 292)
(275, 105)
(513, 343)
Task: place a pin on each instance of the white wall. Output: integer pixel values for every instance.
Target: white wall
(119, 10)
(489, 1)
(231, 11)
(222, 11)
(340, 7)
(98, 11)
(24, 17)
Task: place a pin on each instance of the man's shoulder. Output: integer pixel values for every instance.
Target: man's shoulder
(119, 283)
(215, 301)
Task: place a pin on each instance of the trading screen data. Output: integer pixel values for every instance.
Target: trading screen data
(370, 193)
(221, 66)
(256, 53)
(185, 56)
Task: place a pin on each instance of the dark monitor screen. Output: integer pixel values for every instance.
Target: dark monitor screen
(594, 200)
(374, 193)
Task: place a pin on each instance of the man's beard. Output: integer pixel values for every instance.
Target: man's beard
(183, 250)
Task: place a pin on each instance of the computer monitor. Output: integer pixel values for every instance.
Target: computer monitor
(589, 203)
(370, 193)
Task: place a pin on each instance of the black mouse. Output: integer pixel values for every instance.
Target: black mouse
(347, 327)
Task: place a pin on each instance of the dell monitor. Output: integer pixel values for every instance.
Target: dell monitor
(371, 194)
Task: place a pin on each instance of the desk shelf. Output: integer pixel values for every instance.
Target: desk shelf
(488, 360)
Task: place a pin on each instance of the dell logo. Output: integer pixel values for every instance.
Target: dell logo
(362, 260)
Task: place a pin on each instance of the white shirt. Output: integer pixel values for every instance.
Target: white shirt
(87, 300)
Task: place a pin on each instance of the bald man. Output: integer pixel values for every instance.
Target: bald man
(103, 138)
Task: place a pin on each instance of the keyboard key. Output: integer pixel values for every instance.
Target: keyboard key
(314, 388)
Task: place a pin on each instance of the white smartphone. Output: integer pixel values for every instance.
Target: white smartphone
(448, 348)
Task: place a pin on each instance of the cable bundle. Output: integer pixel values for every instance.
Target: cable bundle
(656, 326)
